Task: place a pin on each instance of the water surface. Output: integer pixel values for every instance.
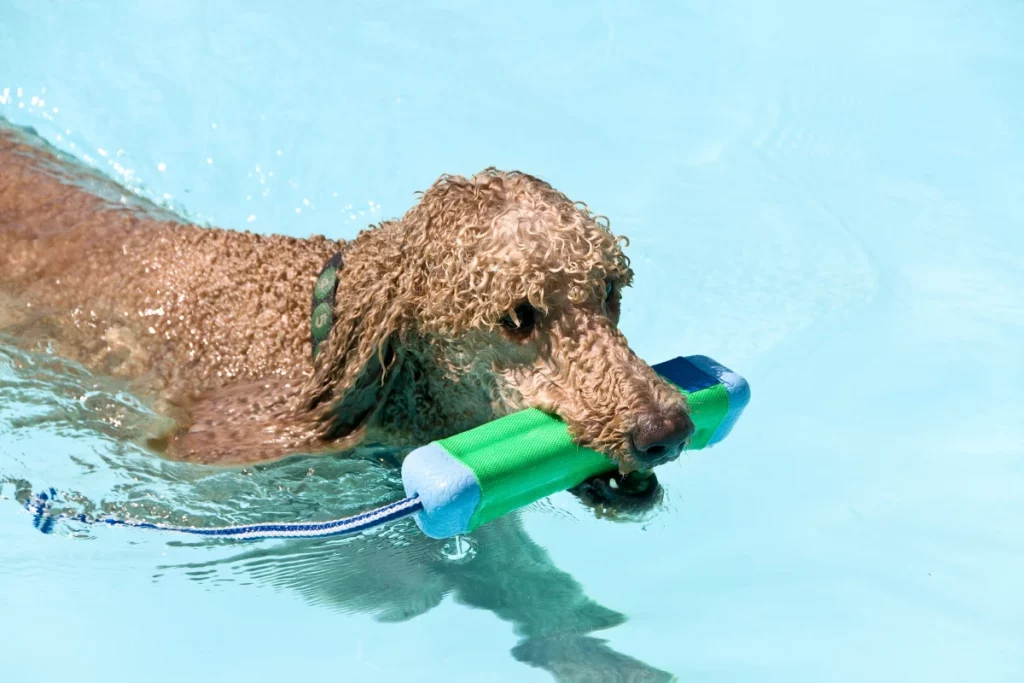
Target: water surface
(826, 198)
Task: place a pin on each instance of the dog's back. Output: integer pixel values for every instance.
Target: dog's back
(130, 288)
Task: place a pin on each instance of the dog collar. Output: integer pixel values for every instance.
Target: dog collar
(322, 317)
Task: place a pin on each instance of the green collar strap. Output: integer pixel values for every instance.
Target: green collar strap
(322, 318)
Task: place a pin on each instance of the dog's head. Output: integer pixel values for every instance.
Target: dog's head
(493, 294)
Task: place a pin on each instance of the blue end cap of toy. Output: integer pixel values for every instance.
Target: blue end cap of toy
(738, 388)
(448, 490)
(686, 374)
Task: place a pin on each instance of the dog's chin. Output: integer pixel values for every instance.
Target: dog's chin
(621, 497)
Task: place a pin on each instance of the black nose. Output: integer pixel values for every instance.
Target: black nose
(658, 436)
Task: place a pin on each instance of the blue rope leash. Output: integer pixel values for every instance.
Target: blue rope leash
(39, 506)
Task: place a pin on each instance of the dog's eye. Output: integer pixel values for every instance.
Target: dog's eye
(527, 317)
(610, 304)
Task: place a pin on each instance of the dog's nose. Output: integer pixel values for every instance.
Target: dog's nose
(657, 437)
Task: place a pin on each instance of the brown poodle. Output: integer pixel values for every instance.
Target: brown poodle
(492, 294)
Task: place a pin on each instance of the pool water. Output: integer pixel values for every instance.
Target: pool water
(825, 197)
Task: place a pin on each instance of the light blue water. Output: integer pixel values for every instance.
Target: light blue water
(827, 198)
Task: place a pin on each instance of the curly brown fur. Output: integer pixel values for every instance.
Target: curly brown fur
(424, 345)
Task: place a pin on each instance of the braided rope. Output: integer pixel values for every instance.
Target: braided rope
(39, 506)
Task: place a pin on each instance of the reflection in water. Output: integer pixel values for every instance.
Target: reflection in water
(394, 573)
(401, 574)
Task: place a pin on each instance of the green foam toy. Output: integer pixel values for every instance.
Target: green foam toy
(471, 478)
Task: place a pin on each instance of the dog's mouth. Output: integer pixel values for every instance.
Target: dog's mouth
(617, 494)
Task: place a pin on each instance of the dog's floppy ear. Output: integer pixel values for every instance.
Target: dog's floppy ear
(355, 370)
(359, 363)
